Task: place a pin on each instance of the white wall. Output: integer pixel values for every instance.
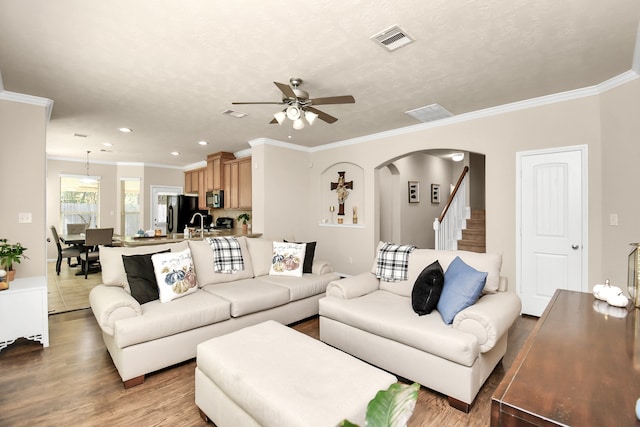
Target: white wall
(498, 137)
(22, 177)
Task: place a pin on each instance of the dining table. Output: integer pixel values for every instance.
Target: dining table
(79, 239)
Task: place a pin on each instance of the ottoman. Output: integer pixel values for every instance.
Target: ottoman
(272, 375)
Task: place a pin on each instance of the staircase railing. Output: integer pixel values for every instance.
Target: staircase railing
(449, 225)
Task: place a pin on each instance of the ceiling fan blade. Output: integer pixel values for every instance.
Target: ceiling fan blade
(266, 102)
(286, 90)
(322, 115)
(345, 99)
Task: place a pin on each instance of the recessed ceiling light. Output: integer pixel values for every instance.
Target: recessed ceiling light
(107, 144)
(175, 153)
(203, 143)
(233, 113)
(125, 130)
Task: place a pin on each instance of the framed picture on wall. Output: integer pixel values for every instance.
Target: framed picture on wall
(414, 192)
(435, 193)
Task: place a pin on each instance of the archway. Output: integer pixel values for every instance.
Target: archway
(411, 222)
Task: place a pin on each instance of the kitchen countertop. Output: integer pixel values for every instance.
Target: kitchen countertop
(179, 237)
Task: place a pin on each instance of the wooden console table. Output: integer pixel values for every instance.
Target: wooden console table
(578, 368)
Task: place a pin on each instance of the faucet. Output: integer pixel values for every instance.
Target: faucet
(201, 223)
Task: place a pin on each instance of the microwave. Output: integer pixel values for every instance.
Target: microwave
(215, 199)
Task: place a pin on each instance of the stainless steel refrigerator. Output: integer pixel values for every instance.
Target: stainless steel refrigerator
(180, 209)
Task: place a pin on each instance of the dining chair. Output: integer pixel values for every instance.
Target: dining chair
(94, 238)
(76, 228)
(67, 252)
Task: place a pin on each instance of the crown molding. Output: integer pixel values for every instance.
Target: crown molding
(103, 162)
(598, 89)
(275, 142)
(27, 99)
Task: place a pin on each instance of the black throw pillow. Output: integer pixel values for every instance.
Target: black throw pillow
(427, 289)
(141, 277)
(309, 253)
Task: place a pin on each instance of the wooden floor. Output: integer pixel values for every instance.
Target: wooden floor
(74, 383)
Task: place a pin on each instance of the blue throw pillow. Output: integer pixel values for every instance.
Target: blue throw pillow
(463, 285)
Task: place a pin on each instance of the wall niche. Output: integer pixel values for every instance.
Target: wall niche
(342, 192)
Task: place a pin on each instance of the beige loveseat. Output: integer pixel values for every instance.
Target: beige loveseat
(374, 321)
(142, 338)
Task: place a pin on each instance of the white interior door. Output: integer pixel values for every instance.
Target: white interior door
(158, 206)
(553, 222)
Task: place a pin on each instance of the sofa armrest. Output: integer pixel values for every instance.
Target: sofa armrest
(354, 286)
(489, 318)
(110, 304)
(321, 267)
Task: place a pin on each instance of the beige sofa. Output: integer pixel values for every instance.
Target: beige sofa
(142, 338)
(374, 321)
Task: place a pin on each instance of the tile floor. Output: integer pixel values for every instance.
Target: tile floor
(69, 292)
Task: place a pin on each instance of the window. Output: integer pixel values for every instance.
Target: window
(130, 190)
(79, 201)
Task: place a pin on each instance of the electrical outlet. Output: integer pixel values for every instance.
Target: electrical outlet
(350, 260)
(613, 219)
(25, 218)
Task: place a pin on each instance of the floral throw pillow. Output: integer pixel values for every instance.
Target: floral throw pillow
(175, 274)
(288, 259)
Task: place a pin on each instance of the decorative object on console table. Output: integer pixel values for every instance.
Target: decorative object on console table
(4, 285)
(414, 192)
(10, 254)
(355, 214)
(435, 193)
(244, 217)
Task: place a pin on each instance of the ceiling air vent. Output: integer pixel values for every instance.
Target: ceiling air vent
(233, 113)
(392, 38)
(429, 113)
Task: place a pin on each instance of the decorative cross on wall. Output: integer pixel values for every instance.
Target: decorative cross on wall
(341, 188)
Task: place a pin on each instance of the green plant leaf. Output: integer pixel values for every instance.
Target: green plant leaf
(393, 407)
(347, 423)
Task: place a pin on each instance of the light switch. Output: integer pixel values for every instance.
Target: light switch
(24, 218)
(613, 219)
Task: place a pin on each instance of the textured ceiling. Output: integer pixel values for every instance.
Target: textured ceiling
(168, 69)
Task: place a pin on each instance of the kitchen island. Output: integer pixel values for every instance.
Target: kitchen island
(132, 241)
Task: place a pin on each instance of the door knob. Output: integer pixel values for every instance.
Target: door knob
(575, 247)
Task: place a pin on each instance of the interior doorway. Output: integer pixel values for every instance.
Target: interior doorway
(551, 221)
(158, 205)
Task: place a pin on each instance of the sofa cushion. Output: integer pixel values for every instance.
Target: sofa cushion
(249, 295)
(288, 259)
(427, 289)
(160, 320)
(202, 254)
(463, 285)
(389, 315)
(141, 277)
(261, 252)
(175, 274)
(301, 287)
(113, 273)
(420, 258)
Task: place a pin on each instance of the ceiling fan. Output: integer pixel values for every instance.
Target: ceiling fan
(300, 105)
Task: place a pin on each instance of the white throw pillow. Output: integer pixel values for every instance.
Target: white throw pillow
(175, 274)
(288, 259)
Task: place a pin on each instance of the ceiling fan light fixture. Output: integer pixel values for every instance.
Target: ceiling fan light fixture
(280, 117)
(310, 116)
(293, 112)
(298, 124)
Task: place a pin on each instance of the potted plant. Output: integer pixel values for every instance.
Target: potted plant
(244, 217)
(10, 254)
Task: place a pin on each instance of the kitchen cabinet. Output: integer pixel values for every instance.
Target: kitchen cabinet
(237, 183)
(194, 183)
(215, 170)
